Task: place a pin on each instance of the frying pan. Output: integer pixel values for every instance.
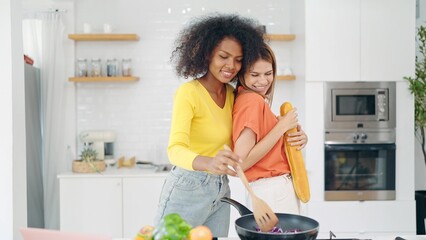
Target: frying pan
(246, 225)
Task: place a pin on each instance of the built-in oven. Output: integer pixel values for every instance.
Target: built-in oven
(359, 171)
(359, 146)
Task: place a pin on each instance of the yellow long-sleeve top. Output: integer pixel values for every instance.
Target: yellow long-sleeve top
(199, 125)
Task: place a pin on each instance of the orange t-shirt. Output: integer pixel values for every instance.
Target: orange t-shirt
(251, 111)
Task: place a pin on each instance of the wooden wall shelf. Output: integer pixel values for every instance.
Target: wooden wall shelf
(104, 37)
(285, 77)
(280, 37)
(103, 79)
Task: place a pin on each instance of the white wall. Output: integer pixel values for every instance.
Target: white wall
(140, 111)
(6, 136)
(12, 127)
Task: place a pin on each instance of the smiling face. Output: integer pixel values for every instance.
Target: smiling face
(260, 77)
(225, 61)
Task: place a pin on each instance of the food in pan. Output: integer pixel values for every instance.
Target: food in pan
(280, 230)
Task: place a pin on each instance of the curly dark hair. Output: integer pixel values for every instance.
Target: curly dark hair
(197, 41)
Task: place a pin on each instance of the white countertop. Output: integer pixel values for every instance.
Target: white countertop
(117, 172)
(379, 237)
(376, 236)
(411, 237)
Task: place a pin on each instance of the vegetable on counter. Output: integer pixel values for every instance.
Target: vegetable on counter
(200, 233)
(145, 233)
(172, 227)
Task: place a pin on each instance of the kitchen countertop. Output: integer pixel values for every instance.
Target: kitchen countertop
(378, 237)
(375, 237)
(118, 172)
(410, 237)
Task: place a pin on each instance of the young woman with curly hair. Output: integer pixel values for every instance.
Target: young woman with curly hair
(211, 51)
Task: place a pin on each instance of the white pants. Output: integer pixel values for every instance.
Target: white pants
(278, 192)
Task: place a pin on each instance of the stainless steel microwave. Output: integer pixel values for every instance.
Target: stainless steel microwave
(360, 105)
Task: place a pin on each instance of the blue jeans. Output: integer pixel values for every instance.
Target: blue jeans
(195, 196)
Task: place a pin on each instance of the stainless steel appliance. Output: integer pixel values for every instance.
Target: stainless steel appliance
(359, 150)
(353, 105)
(359, 171)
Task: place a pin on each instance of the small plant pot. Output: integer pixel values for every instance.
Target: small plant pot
(79, 166)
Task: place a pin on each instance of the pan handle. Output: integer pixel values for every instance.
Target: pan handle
(243, 210)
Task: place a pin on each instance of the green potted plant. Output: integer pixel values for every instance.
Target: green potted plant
(417, 86)
(88, 162)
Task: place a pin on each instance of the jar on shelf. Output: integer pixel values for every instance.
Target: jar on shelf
(96, 66)
(81, 67)
(111, 67)
(126, 66)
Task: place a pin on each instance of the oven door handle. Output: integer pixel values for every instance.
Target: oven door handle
(357, 147)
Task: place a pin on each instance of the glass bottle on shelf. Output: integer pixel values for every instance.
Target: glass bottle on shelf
(81, 66)
(126, 66)
(95, 67)
(111, 67)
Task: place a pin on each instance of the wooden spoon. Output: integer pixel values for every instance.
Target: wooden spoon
(265, 218)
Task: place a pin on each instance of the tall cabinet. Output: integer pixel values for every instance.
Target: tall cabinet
(359, 40)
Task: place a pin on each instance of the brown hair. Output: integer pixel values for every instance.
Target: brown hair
(268, 55)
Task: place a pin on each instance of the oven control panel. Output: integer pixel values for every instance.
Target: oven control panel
(360, 137)
(382, 108)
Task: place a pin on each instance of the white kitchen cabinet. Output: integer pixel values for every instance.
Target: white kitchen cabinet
(332, 40)
(91, 205)
(140, 198)
(387, 39)
(359, 40)
(116, 203)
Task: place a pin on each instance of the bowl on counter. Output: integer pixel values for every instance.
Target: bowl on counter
(145, 164)
(158, 167)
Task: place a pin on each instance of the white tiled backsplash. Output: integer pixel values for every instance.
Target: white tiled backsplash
(139, 112)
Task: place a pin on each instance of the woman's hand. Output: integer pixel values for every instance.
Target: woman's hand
(298, 138)
(288, 121)
(224, 162)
